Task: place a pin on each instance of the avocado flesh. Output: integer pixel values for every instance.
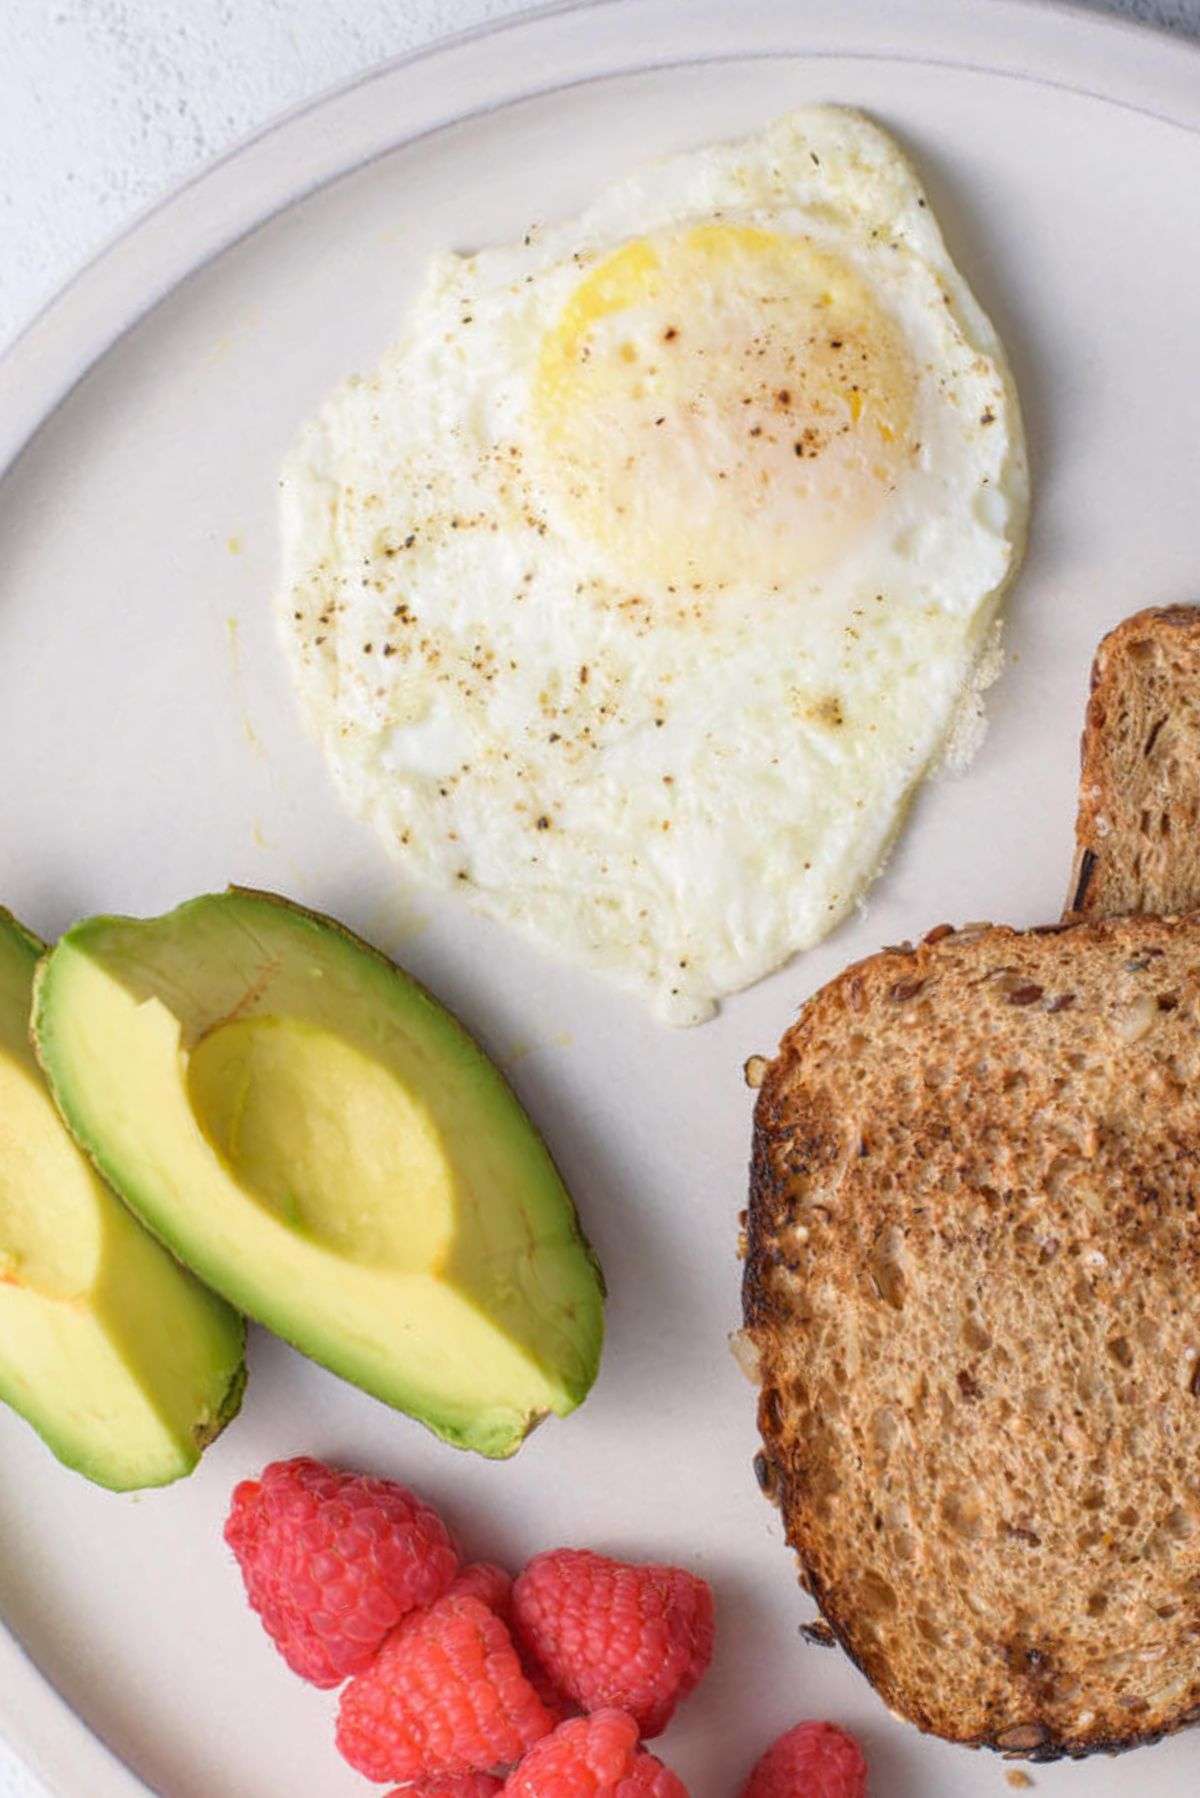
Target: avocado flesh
(121, 1361)
(322, 1143)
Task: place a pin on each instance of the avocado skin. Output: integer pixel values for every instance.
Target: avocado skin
(495, 1430)
(173, 1445)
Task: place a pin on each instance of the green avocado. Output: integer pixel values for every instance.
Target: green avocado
(121, 1361)
(323, 1144)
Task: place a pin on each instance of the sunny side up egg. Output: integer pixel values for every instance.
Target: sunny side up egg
(636, 589)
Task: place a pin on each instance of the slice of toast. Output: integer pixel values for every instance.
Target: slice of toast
(972, 1295)
(1137, 841)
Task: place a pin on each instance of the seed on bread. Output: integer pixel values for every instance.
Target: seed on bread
(764, 1473)
(744, 1350)
(818, 1635)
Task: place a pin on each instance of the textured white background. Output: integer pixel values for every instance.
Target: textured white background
(104, 104)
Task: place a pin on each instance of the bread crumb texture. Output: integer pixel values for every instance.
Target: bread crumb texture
(1137, 841)
(973, 1285)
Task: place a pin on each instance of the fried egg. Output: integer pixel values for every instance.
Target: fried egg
(636, 588)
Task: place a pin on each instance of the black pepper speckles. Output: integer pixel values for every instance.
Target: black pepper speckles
(580, 643)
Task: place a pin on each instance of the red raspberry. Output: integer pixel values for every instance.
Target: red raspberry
(593, 1757)
(815, 1759)
(637, 1639)
(488, 1583)
(648, 1778)
(554, 1701)
(493, 1587)
(445, 1695)
(332, 1561)
(464, 1785)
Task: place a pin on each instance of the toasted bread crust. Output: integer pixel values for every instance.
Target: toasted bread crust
(925, 1104)
(1139, 794)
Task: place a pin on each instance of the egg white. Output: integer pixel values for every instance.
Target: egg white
(633, 592)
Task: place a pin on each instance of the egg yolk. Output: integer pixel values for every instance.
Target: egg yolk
(722, 406)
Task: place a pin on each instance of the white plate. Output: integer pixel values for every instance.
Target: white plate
(152, 750)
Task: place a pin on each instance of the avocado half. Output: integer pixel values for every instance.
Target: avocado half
(124, 1364)
(326, 1146)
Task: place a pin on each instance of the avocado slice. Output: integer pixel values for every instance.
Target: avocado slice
(321, 1142)
(122, 1362)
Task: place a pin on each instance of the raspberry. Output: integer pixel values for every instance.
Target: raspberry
(593, 1757)
(332, 1561)
(648, 1778)
(463, 1785)
(489, 1584)
(636, 1639)
(493, 1587)
(554, 1701)
(444, 1696)
(817, 1759)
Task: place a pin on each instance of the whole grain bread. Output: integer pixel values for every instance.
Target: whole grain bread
(972, 1301)
(1137, 833)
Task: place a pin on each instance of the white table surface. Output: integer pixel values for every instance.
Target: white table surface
(105, 104)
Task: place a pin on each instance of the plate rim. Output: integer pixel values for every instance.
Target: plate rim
(131, 273)
(52, 1741)
(307, 148)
